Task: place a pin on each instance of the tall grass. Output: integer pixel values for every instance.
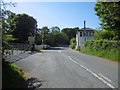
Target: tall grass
(106, 49)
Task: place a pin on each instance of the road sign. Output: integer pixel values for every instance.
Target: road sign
(31, 40)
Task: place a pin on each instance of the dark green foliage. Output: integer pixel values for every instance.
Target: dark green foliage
(44, 33)
(70, 32)
(61, 39)
(56, 39)
(51, 39)
(12, 77)
(52, 36)
(103, 48)
(55, 29)
(38, 39)
(25, 26)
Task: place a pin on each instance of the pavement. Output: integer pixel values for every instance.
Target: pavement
(61, 67)
(17, 55)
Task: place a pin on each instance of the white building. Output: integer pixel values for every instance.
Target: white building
(82, 35)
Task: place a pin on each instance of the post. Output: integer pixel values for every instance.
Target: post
(31, 40)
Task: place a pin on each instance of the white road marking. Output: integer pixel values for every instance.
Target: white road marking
(105, 77)
(101, 79)
(59, 51)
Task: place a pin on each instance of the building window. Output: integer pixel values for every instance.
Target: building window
(90, 34)
(86, 33)
(80, 34)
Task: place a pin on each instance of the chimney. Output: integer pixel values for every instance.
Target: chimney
(84, 24)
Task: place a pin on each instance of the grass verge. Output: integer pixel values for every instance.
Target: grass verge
(111, 54)
(12, 76)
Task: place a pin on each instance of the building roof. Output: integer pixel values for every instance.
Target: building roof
(87, 29)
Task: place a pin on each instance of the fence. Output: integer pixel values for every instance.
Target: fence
(15, 49)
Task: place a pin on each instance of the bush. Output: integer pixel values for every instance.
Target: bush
(103, 48)
(72, 43)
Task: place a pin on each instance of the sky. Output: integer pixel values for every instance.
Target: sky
(61, 14)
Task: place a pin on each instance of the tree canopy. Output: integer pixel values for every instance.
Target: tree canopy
(52, 36)
(7, 20)
(25, 26)
(109, 14)
(55, 29)
(70, 32)
(103, 34)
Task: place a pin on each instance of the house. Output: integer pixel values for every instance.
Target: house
(82, 35)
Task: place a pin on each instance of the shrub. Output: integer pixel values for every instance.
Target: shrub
(72, 43)
(103, 48)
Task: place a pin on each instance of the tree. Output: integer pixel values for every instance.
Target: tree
(55, 29)
(7, 19)
(9, 70)
(25, 26)
(51, 39)
(38, 39)
(61, 39)
(44, 32)
(103, 34)
(70, 32)
(109, 14)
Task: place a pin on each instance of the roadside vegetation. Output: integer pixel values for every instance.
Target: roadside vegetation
(106, 41)
(52, 36)
(102, 48)
(16, 28)
(72, 43)
(12, 76)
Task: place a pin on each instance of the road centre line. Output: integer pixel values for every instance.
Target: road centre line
(94, 74)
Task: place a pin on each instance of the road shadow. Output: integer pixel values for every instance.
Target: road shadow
(13, 78)
(57, 48)
(33, 83)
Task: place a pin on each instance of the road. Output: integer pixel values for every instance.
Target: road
(65, 68)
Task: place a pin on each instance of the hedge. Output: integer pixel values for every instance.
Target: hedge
(104, 48)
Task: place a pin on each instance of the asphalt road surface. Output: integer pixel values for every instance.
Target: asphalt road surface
(65, 68)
